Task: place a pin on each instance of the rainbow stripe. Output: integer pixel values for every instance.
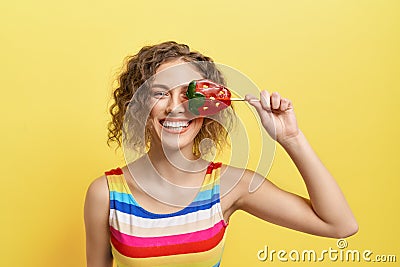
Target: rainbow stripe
(193, 236)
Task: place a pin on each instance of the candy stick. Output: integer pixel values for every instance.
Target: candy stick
(242, 99)
(238, 99)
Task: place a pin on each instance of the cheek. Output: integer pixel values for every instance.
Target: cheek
(156, 104)
(156, 110)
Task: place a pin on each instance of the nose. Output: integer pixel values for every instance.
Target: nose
(176, 103)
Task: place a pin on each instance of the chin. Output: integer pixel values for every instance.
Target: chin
(177, 134)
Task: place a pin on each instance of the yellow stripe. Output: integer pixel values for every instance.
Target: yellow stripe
(212, 177)
(118, 183)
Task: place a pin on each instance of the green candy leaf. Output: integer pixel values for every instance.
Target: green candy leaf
(198, 95)
(191, 90)
(196, 99)
(195, 103)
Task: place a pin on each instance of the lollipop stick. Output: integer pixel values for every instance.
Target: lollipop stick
(242, 99)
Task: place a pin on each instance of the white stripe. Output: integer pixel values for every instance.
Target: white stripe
(198, 225)
(163, 222)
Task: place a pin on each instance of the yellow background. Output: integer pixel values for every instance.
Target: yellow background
(337, 60)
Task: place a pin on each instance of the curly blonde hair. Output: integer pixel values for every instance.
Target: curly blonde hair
(140, 68)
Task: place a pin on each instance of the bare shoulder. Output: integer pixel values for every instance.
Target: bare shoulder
(233, 178)
(98, 189)
(96, 214)
(97, 197)
(236, 183)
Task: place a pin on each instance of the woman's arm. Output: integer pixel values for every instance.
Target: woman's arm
(327, 212)
(98, 250)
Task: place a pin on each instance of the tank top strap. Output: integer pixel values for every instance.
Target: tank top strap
(212, 174)
(209, 192)
(116, 181)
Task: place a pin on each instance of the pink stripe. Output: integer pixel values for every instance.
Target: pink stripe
(167, 240)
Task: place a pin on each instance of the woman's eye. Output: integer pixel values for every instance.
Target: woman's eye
(160, 94)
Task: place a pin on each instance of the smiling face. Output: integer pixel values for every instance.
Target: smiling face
(170, 122)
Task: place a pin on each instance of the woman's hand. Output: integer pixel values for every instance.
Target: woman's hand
(277, 116)
(326, 213)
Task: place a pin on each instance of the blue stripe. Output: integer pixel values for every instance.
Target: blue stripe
(128, 198)
(140, 212)
(122, 197)
(205, 201)
(206, 194)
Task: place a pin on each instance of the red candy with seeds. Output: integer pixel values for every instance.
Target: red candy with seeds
(207, 97)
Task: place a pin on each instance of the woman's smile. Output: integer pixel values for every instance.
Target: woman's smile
(176, 126)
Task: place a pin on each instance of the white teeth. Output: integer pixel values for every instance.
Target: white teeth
(177, 125)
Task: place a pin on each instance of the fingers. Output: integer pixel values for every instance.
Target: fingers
(273, 102)
(279, 103)
(284, 104)
(250, 97)
(252, 100)
(265, 100)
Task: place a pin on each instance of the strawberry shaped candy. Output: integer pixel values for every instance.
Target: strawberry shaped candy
(207, 97)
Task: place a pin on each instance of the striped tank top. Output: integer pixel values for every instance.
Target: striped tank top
(193, 236)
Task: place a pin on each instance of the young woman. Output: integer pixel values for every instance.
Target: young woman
(170, 207)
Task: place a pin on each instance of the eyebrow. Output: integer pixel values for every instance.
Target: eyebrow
(158, 85)
(166, 87)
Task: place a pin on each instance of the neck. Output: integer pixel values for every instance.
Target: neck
(176, 162)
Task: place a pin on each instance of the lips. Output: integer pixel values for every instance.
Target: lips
(175, 126)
